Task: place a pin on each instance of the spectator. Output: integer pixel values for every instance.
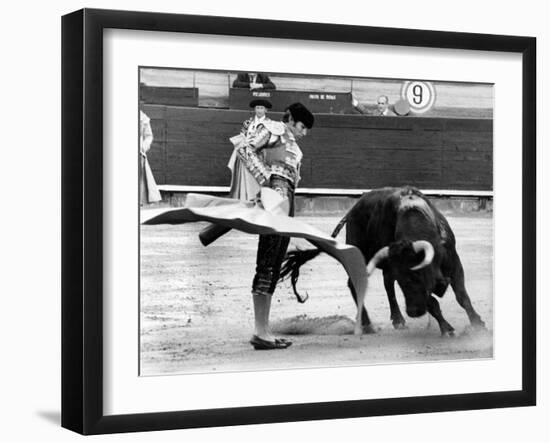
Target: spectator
(382, 107)
(253, 80)
(260, 107)
(243, 184)
(148, 191)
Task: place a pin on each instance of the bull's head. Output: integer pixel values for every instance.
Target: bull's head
(411, 272)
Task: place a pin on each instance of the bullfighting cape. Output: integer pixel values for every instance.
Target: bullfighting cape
(243, 184)
(247, 172)
(266, 216)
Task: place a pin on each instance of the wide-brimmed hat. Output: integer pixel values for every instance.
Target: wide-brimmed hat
(261, 102)
(301, 114)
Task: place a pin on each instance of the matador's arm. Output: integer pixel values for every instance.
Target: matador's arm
(249, 151)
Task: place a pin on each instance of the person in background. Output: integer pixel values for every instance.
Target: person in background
(382, 107)
(273, 157)
(260, 107)
(243, 185)
(253, 80)
(148, 191)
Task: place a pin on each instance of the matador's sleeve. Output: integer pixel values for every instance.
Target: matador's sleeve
(246, 124)
(261, 138)
(248, 153)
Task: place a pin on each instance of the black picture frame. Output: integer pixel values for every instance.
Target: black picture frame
(82, 219)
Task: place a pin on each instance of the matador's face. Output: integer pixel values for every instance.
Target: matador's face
(298, 129)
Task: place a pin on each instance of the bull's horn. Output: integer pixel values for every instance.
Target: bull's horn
(382, 254)
(426, 246)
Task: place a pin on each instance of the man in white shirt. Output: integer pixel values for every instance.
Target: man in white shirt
(383, 106)
(253, 80)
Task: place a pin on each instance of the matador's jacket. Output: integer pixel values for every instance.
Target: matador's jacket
(269, 150)
(251, 124)
(272, 151)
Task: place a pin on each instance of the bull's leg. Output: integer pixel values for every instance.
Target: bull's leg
(440, 287)
(435, 311)
(365, 320)
(395, 313)
(457, 283)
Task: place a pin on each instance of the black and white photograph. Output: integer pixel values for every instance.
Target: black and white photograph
(304, 221)
(269, 222)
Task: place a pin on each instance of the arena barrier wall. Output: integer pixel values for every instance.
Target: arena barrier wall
(348, 153)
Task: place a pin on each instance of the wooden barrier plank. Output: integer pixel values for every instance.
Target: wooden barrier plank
(360, 177)
(154, 111)
(206, 114)
(381, 123)
(473, 157)
(192, 146)
(316, 101)
(311, 192)
(375, 139)
(468, 141)
(469, 125)
(164, 95)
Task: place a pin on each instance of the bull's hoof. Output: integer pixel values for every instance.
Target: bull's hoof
(475, 330)
(370, 329)
(478, 325)
(448, 333)
(400, 324)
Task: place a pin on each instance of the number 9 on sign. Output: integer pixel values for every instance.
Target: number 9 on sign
(419, 95)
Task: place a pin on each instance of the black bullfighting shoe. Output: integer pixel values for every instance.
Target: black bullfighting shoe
(262, 345)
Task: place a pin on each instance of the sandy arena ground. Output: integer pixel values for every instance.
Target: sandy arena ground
(196, 307)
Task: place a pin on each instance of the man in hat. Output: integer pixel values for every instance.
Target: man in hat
(260, 107)
(243, 184)
(273, 157)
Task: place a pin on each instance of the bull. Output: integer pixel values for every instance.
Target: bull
(399, 231)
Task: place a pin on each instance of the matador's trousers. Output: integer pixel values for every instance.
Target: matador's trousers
(272, 248)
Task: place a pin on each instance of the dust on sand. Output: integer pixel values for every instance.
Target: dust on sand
(196, 308)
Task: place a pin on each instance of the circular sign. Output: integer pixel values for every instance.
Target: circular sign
(419, 95)
(401, 107)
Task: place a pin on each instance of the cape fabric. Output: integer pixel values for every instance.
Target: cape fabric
(243, 184)
(251, 217)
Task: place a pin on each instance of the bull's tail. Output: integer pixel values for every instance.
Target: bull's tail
(339, 226)
(291, 266)
(295, 259)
